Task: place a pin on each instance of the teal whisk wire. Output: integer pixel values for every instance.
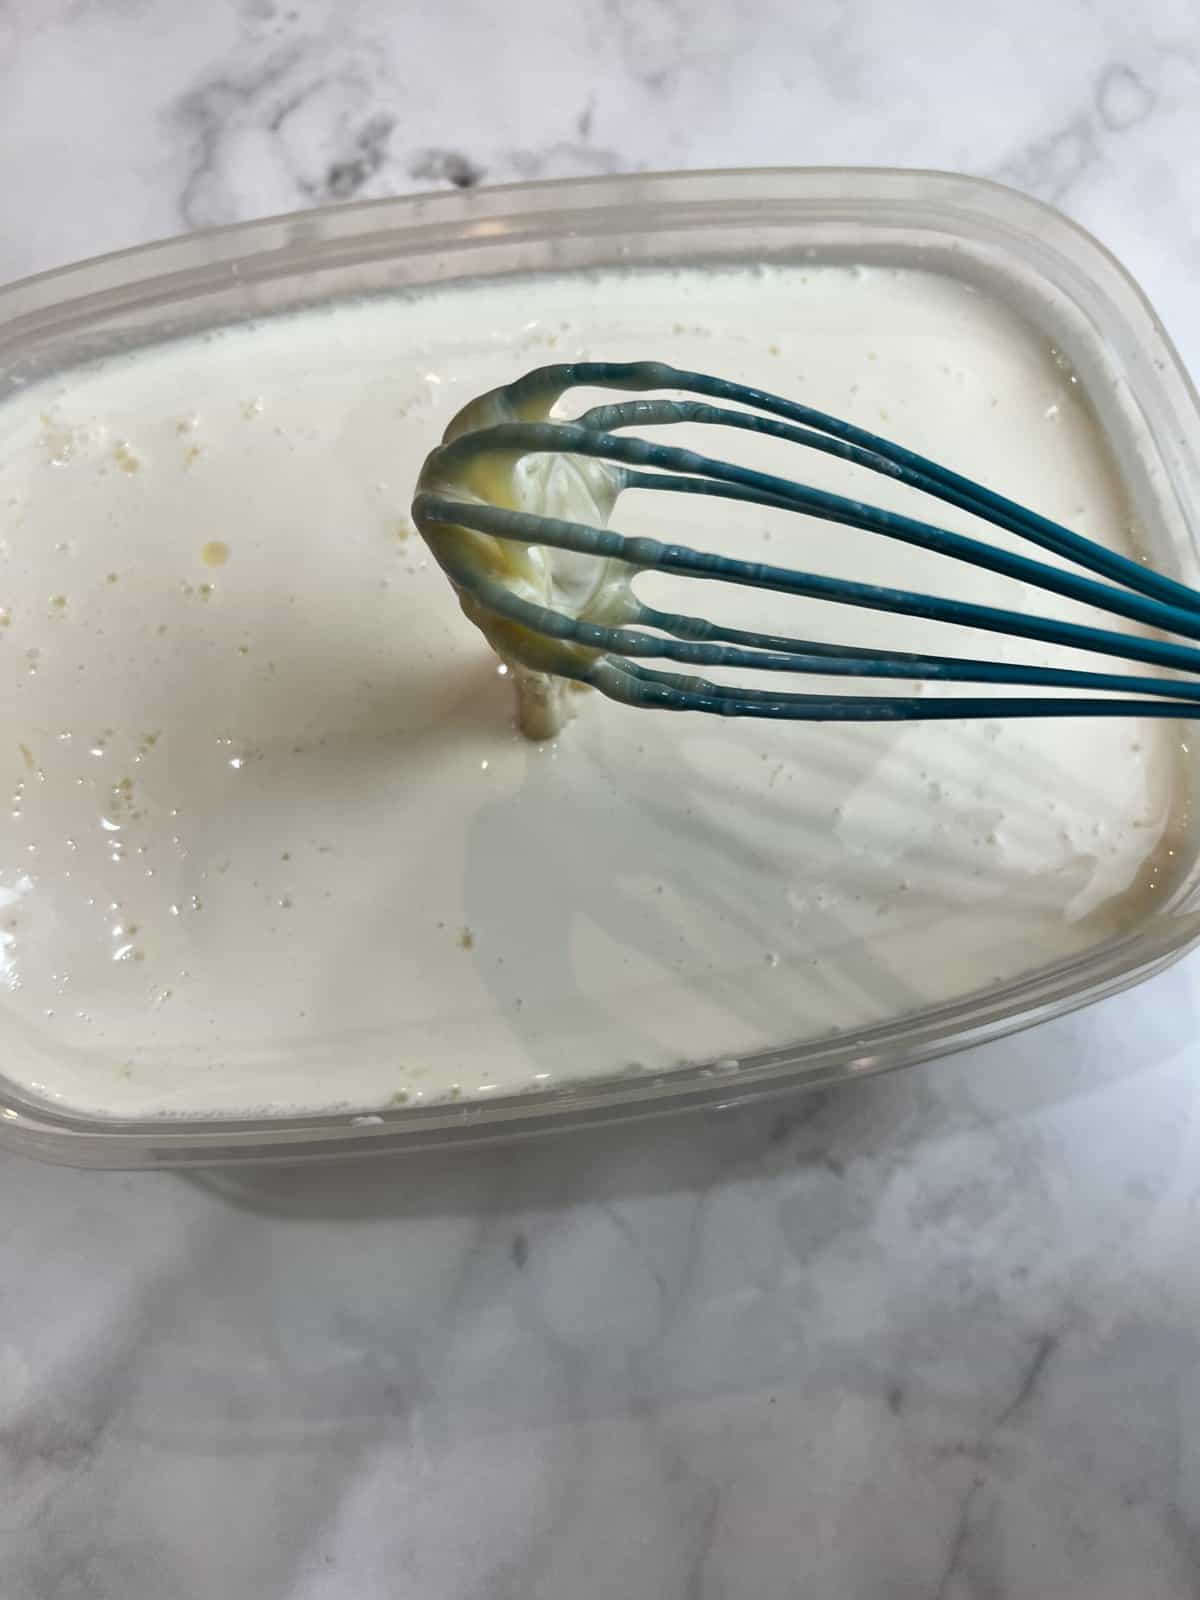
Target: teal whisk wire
(608, 650)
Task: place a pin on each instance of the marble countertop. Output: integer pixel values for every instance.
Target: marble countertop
(929, 1337)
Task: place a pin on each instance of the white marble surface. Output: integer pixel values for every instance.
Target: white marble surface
(930, 1336)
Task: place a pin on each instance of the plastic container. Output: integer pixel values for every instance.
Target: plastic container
(1057, 275)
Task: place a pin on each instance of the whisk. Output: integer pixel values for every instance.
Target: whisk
(514, 507)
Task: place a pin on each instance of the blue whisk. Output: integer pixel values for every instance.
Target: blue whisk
(553, 592)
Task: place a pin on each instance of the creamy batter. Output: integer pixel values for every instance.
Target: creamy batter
(272, 840)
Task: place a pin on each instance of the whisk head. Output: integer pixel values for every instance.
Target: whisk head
(515, 506)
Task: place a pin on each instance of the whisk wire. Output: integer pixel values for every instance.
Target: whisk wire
(1138, 594)
(905, 465)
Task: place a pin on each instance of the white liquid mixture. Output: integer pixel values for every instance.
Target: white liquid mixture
(272, 841)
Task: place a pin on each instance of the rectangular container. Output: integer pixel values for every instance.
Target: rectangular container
(1060, 278)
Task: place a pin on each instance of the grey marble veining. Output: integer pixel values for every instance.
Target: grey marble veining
(934, 1337)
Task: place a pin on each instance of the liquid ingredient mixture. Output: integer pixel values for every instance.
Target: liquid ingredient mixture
(272, 841)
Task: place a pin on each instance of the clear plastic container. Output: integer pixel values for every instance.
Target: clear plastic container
(1056, 274)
